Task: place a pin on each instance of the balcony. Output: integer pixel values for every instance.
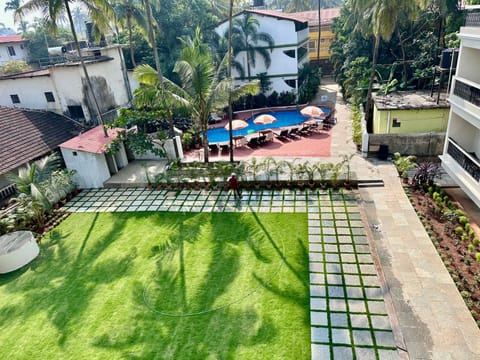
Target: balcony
(472, 19)
(467, 92)
(467, 161)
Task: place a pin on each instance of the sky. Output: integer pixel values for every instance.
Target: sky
(6, 17)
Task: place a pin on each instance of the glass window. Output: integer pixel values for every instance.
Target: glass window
(15, 99)
(49, 96)
(11, 51)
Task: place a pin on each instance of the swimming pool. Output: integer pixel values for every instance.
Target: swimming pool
(284, 118)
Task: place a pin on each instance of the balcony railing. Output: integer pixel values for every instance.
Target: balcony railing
(472, 19)
(467, 92)
(468, 162)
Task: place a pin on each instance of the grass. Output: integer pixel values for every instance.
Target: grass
(103, 283)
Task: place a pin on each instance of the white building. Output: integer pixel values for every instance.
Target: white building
(86, 154)
(461, 155)
(61, 87)
(12, 47)
(290, 51)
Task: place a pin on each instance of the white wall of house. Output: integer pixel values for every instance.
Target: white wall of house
(64, 81)
(91, 169)
(18, 51)
(282, 67)
(461, 155)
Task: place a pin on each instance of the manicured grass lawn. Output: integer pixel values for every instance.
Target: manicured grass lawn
(103, 284)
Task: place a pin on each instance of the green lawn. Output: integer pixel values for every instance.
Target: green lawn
(105, 286)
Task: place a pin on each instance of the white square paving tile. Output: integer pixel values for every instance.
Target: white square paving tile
(317, 290)
(359, 321)
(338, 319)
(362, 337)
(318, 304)
(340, 336)
(320, 352)
(384, 338)
(319, 318)
(320, 334)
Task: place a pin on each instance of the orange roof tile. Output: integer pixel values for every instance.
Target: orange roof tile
(92, 141)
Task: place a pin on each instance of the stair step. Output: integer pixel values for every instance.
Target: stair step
(370, 183)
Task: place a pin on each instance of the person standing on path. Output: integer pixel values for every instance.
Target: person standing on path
(235, 186)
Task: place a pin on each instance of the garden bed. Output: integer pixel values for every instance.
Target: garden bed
(453, 237)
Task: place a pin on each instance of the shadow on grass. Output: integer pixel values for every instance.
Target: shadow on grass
(213, 334)
(64, 282)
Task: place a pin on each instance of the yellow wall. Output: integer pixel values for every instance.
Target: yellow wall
(327, 37)
(411, 121)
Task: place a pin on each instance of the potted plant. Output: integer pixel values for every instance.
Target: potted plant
(404, 164)
(346, 164)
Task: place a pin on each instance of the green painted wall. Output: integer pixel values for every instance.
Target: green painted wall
(411, 121)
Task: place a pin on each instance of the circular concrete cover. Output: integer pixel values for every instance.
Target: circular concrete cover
(16, 250)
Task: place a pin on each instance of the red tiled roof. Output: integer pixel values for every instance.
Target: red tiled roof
(278, 14)
(92, 141)
(11, 39)
(26, 135)
(327, 15)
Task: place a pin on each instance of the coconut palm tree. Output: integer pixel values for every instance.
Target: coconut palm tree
(202, 91)
(130, 13)
(379, 17)
(11, 5)
(246, 37)
(99, 11)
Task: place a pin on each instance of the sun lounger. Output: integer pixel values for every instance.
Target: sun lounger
(293, 132)
(213, 148)
(214, 118)
(282, 134)
(253, 142)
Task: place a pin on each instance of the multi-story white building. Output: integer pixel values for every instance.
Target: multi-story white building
(61, 87)
(461, 155)
(289, 53)
(12, 47)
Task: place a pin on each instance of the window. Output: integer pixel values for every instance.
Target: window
(76, 112)
(396, 123)
(15, 99)
(290, 53)
(74, 153)
(312, 44)
(11, 51)
(49, 96)
(291, 83)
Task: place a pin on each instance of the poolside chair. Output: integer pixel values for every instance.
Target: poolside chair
(253, 142)
(293, 133)
(261, 139)
(213, 148)
(224, 148)
(241, 141)
(282, 134)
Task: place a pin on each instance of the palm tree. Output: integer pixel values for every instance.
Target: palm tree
(99, 11)
(128, 13)
(11, 5)
(23, 26)
(246, 37)
(379, 17)
(202, 89)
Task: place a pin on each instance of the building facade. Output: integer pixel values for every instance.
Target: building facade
(326, 34)
(289, 53)
(12, 47)
(461, 155)
(62, 88)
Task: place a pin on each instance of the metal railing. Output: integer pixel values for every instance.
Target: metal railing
(467, 92)
(472, 19)
(468, 162)
(7, 191)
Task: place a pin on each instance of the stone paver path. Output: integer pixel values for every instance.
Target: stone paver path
(349, 319)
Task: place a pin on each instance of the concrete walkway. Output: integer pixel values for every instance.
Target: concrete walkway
(425, 306)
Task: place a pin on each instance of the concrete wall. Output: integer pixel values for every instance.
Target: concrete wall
(68, 85)
(91, 169)
(20, 52)
(428, 144)
(411, 121)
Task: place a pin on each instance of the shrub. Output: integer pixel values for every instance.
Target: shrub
(462, 220)
(475, 241)
(471, 248)
(467, 227)
(458, 230)
(477, 257)
(425, 173)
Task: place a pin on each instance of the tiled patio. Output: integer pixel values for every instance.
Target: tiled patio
(348, 315)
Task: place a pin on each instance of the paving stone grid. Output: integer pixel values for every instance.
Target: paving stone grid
(348, 316)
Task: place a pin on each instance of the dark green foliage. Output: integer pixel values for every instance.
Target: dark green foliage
(309, 80)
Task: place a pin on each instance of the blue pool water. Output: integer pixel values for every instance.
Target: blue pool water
(284, 118)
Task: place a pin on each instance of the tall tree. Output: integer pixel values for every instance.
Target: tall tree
(130, 13)
(12, 5)
(379, 18)
(203, 90)
(99, 10)
(246, 38)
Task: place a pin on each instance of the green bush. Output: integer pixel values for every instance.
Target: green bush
(477, 257)
(458, 230)
(463, 220)
(471, 248)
